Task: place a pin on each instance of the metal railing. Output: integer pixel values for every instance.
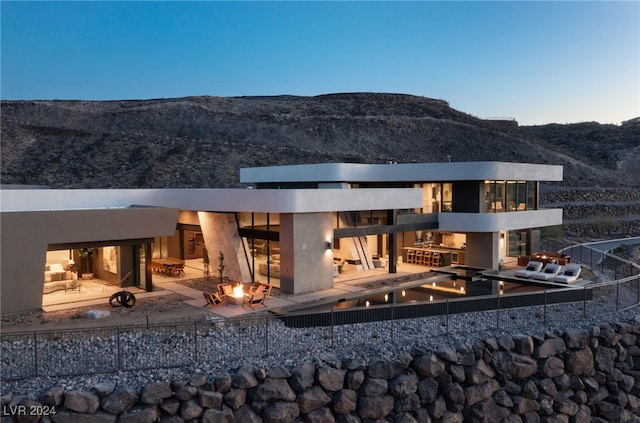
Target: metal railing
(217, 343)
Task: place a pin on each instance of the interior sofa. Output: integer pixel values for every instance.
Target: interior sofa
(272, 267)
(57, 277)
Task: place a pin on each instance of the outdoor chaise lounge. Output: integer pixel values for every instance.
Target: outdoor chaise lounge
(532, 267)
(550, 271)
(570, 274)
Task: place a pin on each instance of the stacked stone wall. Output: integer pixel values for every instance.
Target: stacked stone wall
(577, 375)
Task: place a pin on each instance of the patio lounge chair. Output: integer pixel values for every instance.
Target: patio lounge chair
(257, 295)
(224, 289)
(532, 267)
(550, 271)
(570, 274)
(212, 299)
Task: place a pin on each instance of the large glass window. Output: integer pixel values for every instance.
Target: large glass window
(502, 196)
(360, 218)
(447, 197)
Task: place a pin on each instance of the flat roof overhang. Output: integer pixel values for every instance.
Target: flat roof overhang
(493, 222)
(402, 172)
(90, 225)
(215, 200)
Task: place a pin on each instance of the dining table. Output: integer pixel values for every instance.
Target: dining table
(167, 266)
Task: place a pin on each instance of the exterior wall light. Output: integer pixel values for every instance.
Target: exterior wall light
(328, 245)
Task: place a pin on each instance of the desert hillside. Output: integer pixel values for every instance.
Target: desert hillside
(204, 141)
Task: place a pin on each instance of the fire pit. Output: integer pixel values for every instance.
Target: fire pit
(238, 295)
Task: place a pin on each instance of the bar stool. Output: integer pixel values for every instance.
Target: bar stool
(411, 256)
(427, 258)
(436, 260)
(419, 257)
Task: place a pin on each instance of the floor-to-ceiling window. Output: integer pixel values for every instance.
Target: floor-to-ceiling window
(260, 235)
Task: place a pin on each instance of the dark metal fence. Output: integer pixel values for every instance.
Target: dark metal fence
(219, 342)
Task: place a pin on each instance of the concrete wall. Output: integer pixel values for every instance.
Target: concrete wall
(304, 257)
(220, 233)
(26, 235)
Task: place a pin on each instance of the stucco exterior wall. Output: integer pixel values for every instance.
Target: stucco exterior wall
(26, 235)
(304, 256)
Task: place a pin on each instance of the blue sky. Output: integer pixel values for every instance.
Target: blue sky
(538, 62)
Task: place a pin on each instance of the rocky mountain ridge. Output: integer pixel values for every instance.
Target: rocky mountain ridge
(204, 141)
(199, 142)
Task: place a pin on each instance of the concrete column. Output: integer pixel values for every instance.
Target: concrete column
(478, 252)
(306, 260)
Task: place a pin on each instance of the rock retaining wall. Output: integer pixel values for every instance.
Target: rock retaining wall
(577, 375)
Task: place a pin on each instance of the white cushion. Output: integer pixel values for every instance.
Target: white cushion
(56, 267)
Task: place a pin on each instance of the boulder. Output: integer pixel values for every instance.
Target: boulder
(479, 373)
(344, 401)
(320, 415)
(81, 402)
(385, 369)
(103, 389)
(374, 387)
(140, 414)
(605, 359)
(312, 399)
(223, 383)
(244, 378)
(354, 379)
(428, 365)
(550, 347)
(210, 399)
(522, 405)
(53, 396)
(302, 377)
(281, 412)
(523, 344)
(514, 366)
(454, 394)
(552, 367)
(477, 393)
(273, 390)
(278, 372)
(375, 407)
(580, 363)
(330, 378)
(190, 410)
(576, 338)
(213, 415)
(235, 398)
(170, 406)
(155, 393)
(428, 390)
(465, 354)
(410, 403)
(403, 385)
(446, 353)
(246, 415)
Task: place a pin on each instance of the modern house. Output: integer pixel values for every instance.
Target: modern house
(298, 228)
